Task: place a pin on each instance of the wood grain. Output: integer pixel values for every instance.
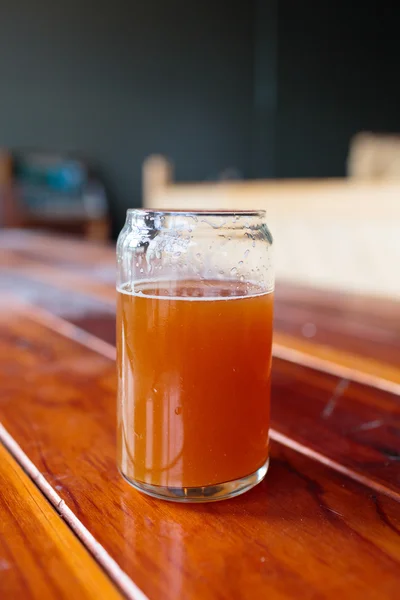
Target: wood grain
(372, 435)
(57, 248)
(307, 531)
(40, 557)
(357, 325)
(325, 356)
(354, 425)
(358, 427)
(76, 280)
(70, 304)
(91, 306)
(357, 332)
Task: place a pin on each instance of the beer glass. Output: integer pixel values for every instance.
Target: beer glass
(194, 336)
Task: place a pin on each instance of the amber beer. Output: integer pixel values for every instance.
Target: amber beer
(194, 367)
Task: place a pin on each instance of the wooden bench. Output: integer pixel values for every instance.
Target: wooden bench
(339, 234)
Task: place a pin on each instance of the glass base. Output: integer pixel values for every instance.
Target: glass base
(208, 493)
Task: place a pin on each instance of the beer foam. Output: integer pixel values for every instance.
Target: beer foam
(211, 290)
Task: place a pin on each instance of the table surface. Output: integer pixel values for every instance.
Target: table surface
(325, 521)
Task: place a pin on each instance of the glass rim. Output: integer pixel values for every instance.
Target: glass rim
(261, 213)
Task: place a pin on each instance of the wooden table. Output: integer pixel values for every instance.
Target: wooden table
(325, 522)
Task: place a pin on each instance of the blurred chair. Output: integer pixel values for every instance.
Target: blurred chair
(339, 234)
(374, 156)
(60, 193)
(10, 210)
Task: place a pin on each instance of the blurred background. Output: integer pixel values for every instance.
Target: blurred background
(286, 105)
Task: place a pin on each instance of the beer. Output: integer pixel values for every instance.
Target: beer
(194, 365)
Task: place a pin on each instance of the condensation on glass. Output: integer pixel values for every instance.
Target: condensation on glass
(194, 337)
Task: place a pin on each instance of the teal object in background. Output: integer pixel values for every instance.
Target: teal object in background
(53, 185)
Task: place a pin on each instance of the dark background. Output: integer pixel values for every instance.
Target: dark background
(338, 73)
(273, 88)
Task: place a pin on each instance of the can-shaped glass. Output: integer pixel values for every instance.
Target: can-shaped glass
(194, 347)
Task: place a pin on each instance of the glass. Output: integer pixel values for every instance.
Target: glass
(194, 337)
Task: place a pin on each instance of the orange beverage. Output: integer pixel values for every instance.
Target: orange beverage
(194, 364)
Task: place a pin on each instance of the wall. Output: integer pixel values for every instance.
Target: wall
(274, 88)
(265, 88)
(118, 80)
(337, 74)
